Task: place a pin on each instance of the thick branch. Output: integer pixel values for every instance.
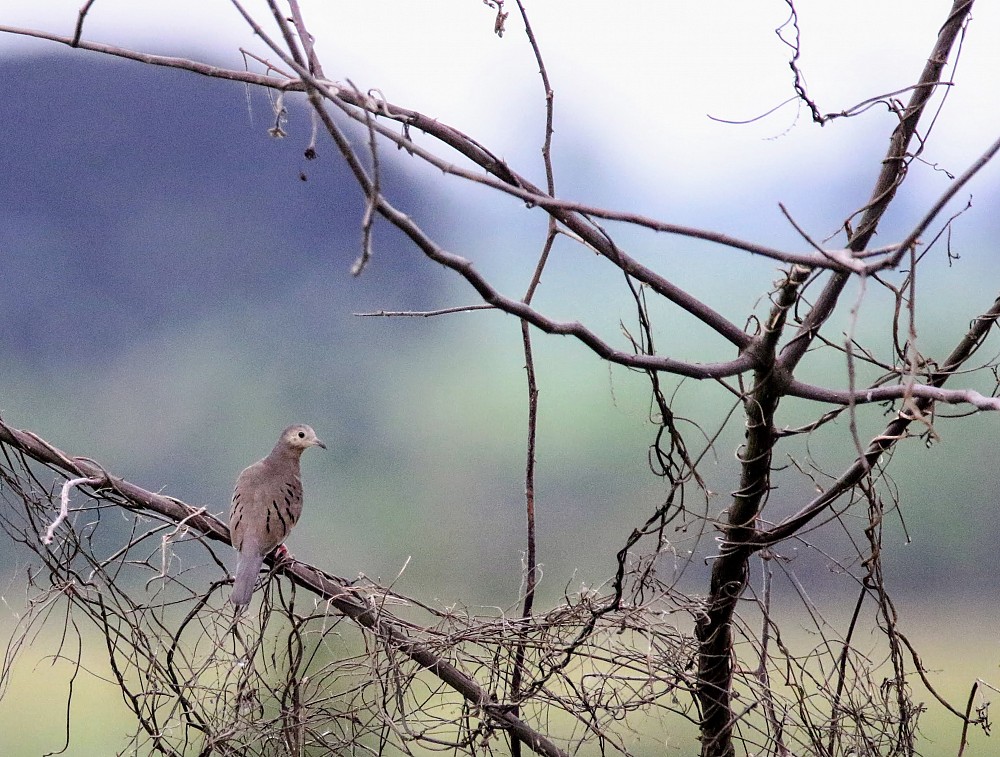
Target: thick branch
(322, 584)
(729, 571)
(771, 378)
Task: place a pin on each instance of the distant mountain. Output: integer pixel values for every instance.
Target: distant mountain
(134, 197)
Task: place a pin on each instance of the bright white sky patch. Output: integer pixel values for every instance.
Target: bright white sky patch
(636, 80)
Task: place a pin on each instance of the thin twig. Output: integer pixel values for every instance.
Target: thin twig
(423, 313)
(913, 237)
(78, 32)
(531, 559)
(893, 432)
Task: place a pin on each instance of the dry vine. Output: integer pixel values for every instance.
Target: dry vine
(330, 664)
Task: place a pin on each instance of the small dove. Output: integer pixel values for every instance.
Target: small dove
(267, 502)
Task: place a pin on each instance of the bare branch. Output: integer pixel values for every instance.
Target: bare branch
(894, 169)
(78, 32)
(531, 571)
(423, 313)
(927, 392)
(601, 653)
(913, 237)
(186, 64)
(893, 432)
(335, 590)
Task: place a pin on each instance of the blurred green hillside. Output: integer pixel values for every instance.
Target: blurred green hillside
(175, 293)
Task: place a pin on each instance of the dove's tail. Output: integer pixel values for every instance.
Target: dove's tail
(247, 568)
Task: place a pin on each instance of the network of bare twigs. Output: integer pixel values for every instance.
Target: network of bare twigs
(299, 677)
(298, 674)
(330, 666)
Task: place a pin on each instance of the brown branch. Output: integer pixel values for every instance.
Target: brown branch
(772, 377)
(306, 38)
(78, 32)
(368, 219)
(576, 329)
(573, 215)
(167, 61)
(840, 260)
(730, 569)
(334, 590)
(894, 170)
(423, 313)
(464, 267)
(286, 32)
(928, 392)
(576, 220)
(893, 432)
(891, 261)
(531, 558)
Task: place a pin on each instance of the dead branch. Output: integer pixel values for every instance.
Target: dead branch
(894, 432)
(449, 679)
(334, 590)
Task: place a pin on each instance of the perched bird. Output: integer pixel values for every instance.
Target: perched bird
(267, 502)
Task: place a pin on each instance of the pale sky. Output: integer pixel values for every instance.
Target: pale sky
(634, 82)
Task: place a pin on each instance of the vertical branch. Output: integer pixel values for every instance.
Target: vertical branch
(531, 577)
(894, 169)
(776, 725)
(729, 572)
(368, 219)
(845, 650)
(531, 558)
(306, 38)
(905, 720)
(286, 32)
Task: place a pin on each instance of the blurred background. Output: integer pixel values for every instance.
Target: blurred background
(177, 288)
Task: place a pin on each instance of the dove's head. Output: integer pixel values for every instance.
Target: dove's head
(300, 437)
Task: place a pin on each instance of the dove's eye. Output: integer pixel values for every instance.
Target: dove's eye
(302, 434)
